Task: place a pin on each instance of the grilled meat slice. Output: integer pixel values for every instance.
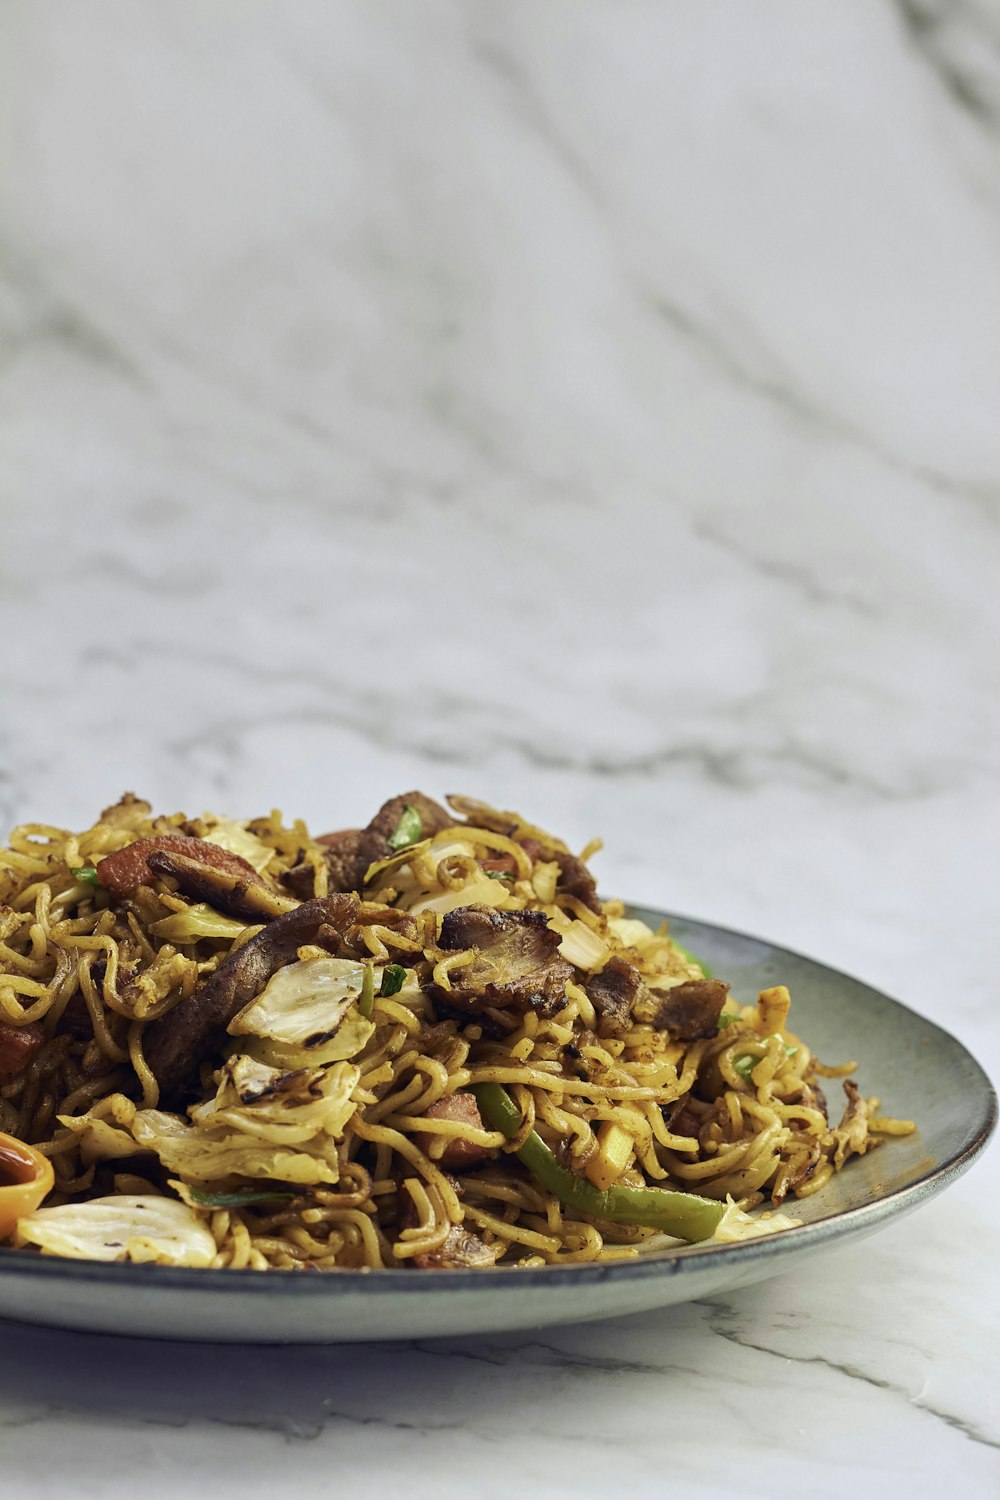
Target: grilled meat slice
(690, 1010)
(122, 871)
(352, 850)
(614, 990)
(176, 1044)
(462, 1108)
(515, 967)
(238, 895)
(18, 1045)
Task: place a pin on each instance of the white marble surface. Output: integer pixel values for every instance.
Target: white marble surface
(590, 406)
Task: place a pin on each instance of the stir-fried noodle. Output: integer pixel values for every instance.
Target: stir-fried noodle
(426, 1043)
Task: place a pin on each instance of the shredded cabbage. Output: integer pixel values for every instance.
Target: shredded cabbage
(304, 1000)
(737, 1225)
(198, 921)
(229, 834)
(580, 944)
(484, 892)
(121, 1228)
(264, 1122)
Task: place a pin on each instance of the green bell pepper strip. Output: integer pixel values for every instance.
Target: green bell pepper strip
(684, 1215)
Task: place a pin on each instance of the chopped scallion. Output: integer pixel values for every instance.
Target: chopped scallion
(86, 873)
(238, 1197)
(393, 976)
(407, 830)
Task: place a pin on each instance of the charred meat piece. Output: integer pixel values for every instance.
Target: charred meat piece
(461, 1249)
(614, 991)
(813, 1097)
(576, 880)
(352, 850)
(176, 1044)
(515, 967)
(122, 871)
(300, 880)
(346, 858)
(690, 1011)
(683, 1120)
(18, 1045)
(806, 1167)
(238, 895)
(462, 1108)
(500, 864)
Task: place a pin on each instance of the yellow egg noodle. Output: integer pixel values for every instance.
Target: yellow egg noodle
(423, 1044)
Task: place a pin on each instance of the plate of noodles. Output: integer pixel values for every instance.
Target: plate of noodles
(421, 1078)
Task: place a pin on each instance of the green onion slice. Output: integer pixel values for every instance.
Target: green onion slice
(393, 976)
(407, 830)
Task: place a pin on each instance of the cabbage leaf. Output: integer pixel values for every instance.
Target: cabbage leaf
(143, 1228)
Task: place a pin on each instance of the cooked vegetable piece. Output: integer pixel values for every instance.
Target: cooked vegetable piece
(366, 1000)
(684, 1215)
(195, 922)
(304, 1002)
(26, 1176)
(86, 873)
(615, 1150)
(745, 1062)
(407, 830)
(238, 1198)
(393, 977)
(121, 1228)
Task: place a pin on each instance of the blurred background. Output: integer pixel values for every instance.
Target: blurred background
(590, 410)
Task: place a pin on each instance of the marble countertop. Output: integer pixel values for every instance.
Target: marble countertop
(589, 407)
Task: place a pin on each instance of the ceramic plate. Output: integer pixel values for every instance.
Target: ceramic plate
(918, 1071)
